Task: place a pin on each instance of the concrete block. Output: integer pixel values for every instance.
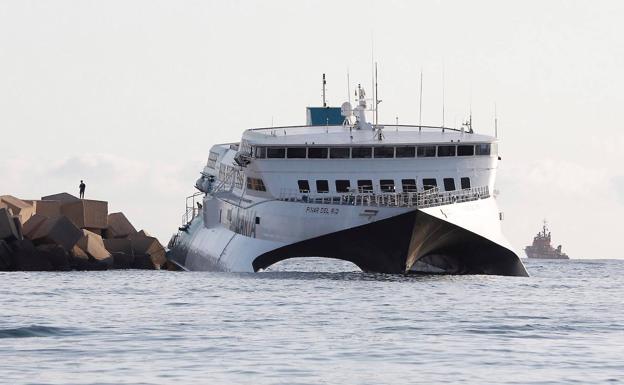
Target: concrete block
(63, 197)
(59, 231)
(18, 227)
(78, 253)
(5, 256)
(7, 226)
(19, 207)
(119, 226)
(123, 260)
(152, 247)
(32, 224)
(119, 245)
(93, 245)
(86, 213)
(57, 256)
(50, 209)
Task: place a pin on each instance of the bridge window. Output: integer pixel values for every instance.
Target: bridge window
(260, 152)
(339, 152)
(365, 186)
(342, 186)
(276, 152)
(384, 152)
(304, 186)
(465, 182)
(317, 152)
(361, 152)
(465, 150)
(429, 183)
(409, 185)
(255, 184)
(449, 184)
(426, 151)
(296, 153)
(322, 186)
(407, 151)
(387, 185)
(483, 149)
(446, 150)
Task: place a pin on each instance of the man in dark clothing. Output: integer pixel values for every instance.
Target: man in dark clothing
(82, 189)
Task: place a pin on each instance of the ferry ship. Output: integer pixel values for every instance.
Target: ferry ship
(389, 198)
(541, 247)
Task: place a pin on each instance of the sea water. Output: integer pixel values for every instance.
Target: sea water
(314, 321)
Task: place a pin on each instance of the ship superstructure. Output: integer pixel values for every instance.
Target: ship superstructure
(389, 198)
(541, 247)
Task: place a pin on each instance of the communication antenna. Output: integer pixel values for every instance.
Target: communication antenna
(377, 101)
(420, 107)
(495, 122)
(373, 69)
(348, 87)
(324, 84)
(442, 97)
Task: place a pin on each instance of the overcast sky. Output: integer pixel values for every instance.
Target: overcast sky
(130, 95)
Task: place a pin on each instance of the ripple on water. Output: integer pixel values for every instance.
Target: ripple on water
(36, 331)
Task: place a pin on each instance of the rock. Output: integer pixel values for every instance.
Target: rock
(77, 252)
(119, 226)
(59, 231)
(86, 213)
(19, 207)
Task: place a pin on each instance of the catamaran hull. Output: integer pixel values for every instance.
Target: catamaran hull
(456, 239)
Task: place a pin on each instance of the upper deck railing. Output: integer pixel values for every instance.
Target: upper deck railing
(420, 199)
(279, 131)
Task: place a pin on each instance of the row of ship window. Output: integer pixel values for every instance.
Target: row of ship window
(372, 152)
(366, 185)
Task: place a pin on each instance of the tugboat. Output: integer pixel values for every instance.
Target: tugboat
(541, 248)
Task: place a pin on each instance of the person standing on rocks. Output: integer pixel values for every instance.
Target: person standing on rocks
(82, 189)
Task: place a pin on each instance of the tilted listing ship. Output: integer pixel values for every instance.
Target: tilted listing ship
(541, 247)
(388, 198)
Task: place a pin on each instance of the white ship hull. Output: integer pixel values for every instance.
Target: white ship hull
(458, 238)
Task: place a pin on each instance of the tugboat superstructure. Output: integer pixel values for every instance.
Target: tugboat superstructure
(541, 247)
(389, 198)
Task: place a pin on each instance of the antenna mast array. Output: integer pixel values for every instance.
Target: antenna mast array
(324, 84)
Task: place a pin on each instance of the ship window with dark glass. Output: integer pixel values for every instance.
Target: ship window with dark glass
(361, 152)
(260, 152)
(426, 151)
(429, 183)
(483, 149)
(274, 152)
(304, 186)
(342, 186)
(339, 152)
(365, 186)
(317, 152)
(465, 150)
(465, 182)
(296, 153)
(449, 184)
(409, 185)
(384, 152)
(407, 151)
(446, 150)
(322, 186)
(387, 185)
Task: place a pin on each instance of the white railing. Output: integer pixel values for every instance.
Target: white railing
(192, 207)
(420, 199)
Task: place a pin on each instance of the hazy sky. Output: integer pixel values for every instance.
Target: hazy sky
(130, 95)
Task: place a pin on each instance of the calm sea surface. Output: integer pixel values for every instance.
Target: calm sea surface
(314, 322)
